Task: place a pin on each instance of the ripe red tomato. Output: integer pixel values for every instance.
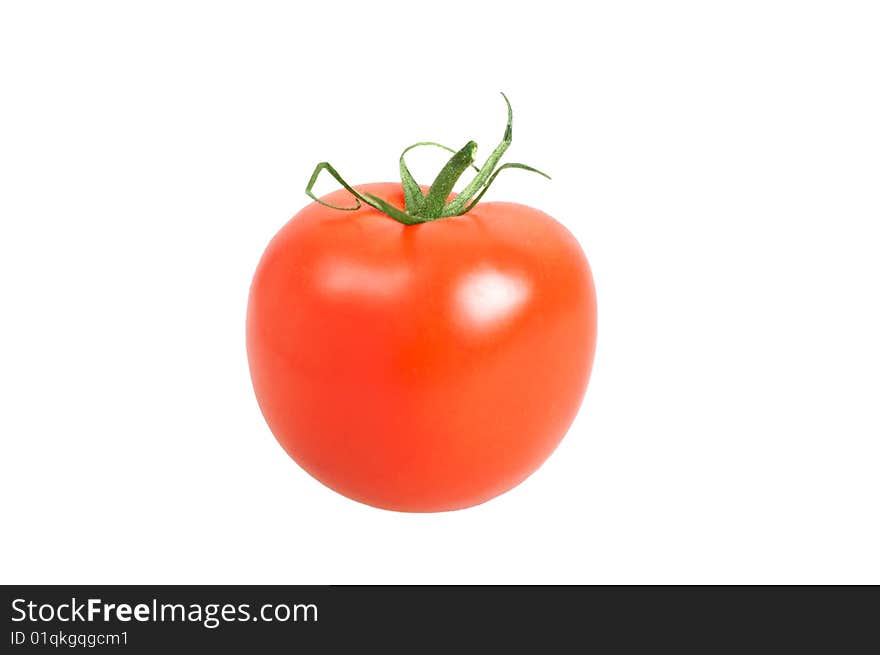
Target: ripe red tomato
(421, 367)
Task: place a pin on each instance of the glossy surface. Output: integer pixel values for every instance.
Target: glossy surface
(426, 367)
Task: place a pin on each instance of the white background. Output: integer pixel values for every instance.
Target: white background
(719, 163)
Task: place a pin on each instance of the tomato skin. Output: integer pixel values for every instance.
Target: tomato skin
(426, 367)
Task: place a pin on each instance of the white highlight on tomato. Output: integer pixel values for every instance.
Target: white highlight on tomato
(363, 279)
(488, 297)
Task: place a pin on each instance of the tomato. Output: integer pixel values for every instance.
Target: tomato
(421, 367)
(421, 352)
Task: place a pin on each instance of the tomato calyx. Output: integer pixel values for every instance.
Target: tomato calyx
(435, 204)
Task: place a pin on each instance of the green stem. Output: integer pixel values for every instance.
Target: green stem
(482, 179)
(412, 192)
(446, 179)
(423, 208)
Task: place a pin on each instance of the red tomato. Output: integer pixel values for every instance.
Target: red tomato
(422, 367)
